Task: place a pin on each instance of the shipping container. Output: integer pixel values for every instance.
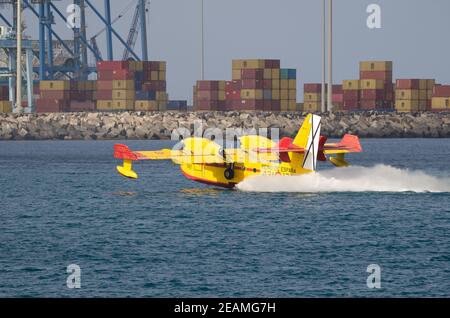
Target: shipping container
(378, 75)
(53, 94)
(375, 66)
(351, 84)
(54, 85)
(312, 107)
(373, 94)
(251, 84)
(112, 65)
(252, 74)
(352, 94)
(82, 106)
(123, 84)
(244, 64)
(372, 84)
(312, 97)
(123, 104)
(252, 94)
(405, 94)
(123, 95)
(407, 84)
(5, 106)
(441, 91)
(407, 105)
(440, 103)
(146, 105)
(349, 104)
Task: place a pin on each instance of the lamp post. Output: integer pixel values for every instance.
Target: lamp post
(203, 43)
(18, 107)
(324, 17)
(330, 56)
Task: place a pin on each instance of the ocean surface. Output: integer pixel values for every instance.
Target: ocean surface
(62, 203)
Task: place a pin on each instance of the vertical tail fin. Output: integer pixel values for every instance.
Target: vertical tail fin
(308, 139)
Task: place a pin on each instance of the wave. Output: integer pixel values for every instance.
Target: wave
(379, 178)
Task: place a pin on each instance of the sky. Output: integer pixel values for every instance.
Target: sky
(413, 34)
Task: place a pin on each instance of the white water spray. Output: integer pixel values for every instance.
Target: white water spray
(380, 178)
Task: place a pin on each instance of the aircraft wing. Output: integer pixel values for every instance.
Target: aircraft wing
(348, 144)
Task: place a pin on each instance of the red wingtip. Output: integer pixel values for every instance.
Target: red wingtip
(351, 142)
(123, 152)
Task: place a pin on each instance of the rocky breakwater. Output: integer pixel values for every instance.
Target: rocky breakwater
(159, 125)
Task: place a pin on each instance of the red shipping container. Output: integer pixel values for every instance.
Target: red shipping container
(350, 104)
(151, 66)
(233, 105)
(371, 104)
(337, 98)
(105, 75)
(378, 75)
(337, 89)
(252, 84)
(112, 65)
(351, 95)
(389, 87)
(252, 74)
(276, 63)
(207, 105)
(252, 104)
(276, 105)
(441, 91)
(267, 84)
(103, 95)
(78, 96)
(123, 75)
(154, 86)
(372, 94)
(104, 85)
(267, 105)
(312, 88)
(67, 95)
(407, 84)
(233, 95)
(51, 105)
(4, 93)
(82, 106)
(208, 95)
(207, 85)
(268, 64)
(221, 106)
(233, 85)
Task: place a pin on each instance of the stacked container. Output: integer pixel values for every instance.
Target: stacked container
(209, 96)
(254, 80)
(5, 104)
(256, 85)
(440, 98)
(338, 97)
(82, 96)
(414, 94)
(407, 95)
(372, 94)
(129, 85)
(377, 87)
(312, 97)
(55, 96)
(288, 89)
(425, 93)
(151, 86)
(351, 97)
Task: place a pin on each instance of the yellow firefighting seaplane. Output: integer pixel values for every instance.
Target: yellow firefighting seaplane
(205, 161)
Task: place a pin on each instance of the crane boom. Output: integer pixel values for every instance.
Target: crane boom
(132, 35)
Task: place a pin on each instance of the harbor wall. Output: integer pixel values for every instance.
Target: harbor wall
(159, 125)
